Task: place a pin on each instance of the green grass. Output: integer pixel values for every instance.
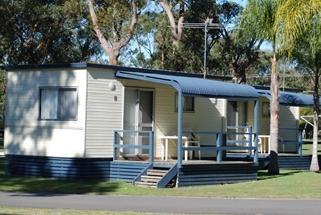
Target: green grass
(289, 184)
(307, 148)
(39, 211)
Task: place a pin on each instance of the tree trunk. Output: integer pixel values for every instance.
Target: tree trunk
(112, 59)
(177, 30)
(274, 118)
(238, 72)
(113, 55)
(113, 48)
(314, 162)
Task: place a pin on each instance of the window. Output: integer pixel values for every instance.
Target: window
(58, 103)
(188, 103)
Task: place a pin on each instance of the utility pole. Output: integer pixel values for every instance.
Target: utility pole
(206, 25)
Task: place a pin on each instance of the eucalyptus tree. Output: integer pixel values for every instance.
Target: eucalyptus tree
(299, 22)
(36, 32)
(237, 50)
(169, 8)
(260, 18)
(114, 23)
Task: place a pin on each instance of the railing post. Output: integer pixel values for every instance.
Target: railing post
(219, 153)
(151, 146)
(114, 145)
(300, 140)
(250, 139)
(257, 117)
(179, 128)
(256, 152)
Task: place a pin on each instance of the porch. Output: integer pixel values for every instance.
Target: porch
(217, 169)
(189, 154)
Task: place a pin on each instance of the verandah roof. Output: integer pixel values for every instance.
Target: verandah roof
(195, 86)
(290, 98)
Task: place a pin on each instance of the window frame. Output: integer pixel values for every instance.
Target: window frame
(185, 111)
(58, 88)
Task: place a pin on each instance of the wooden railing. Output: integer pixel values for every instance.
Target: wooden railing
(121, 143)
(297, 141)
(220, 145)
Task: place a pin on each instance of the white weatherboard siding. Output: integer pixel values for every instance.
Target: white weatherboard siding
(289, 124)
(207, 116)
(104, 112)
(288, 127)
(25, 134)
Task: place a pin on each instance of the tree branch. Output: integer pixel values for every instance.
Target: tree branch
(177, 30)
(106, 45)
(131, 28)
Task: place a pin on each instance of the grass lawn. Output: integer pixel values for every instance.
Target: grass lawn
(289, 184)
(38, 211)
(307, 148)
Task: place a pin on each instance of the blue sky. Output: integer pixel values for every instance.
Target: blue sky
(241, 2)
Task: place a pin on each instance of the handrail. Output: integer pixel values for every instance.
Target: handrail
(220, 145)
(239, 133)
(129, 146)
(172, 172)
(202, 132)
(225, 148)
(236, 127)
(131, 131)
(238, 141)
(150, 146)
(143, 172)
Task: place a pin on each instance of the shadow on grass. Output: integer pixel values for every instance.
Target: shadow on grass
(49, 186)
(265, 175)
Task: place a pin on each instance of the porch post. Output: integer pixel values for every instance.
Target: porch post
(179, 128)
(256, 128)
(300, 142)
(151, 146)
(114, 145)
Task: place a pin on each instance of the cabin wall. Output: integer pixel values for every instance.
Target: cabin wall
(288, 127)
(25, 133)
(207, 116)
(104, 112)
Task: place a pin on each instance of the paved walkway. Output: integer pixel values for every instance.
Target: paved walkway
(162, 204)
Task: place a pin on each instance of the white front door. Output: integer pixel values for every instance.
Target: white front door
(138, 116)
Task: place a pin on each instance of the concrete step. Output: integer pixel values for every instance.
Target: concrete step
(146, 184)
(150, 180)
(156, 172)
(151, 177)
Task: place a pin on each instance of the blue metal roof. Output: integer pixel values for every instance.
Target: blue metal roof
(290, 98)
(195, 86)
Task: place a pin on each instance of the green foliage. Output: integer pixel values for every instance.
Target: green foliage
(294, 19)
(224, 46)
(259, 16)
(114, 17)
(236, 50)
(34, 32)
(305, 111)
